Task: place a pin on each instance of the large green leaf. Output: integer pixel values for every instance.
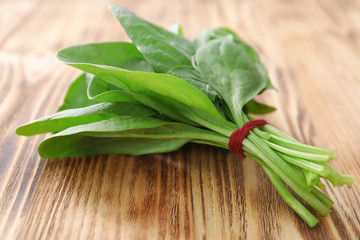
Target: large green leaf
(104, 91)
(162, 49)
(156, 47)
(116, 54)
(79, 145)
(224, 33)
(180, 99)
(73, 117)
(121, 130)
(71, 141)
(228, 67)
(166, 51)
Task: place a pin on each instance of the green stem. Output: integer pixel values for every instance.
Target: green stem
(284, 172)
(305, 214)
(317, 168)
(347, 179)
(309, 156)
(262, 134)
(272, 130)
(322, 197)
(310, 219)
(278, 165)
(311, 177)
(336, 179)
(314, 191)
(300, 147)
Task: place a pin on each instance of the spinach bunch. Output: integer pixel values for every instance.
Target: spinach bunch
(161, 91)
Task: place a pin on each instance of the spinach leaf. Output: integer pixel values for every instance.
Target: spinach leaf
(192, 76)
(258, 108)
(76, 96)
(169, 130)
(228, 67)
(159, 44)
(226, 34)
(116, 54)
(73, 141)
(102, 91)
(78, 146)
(180, 99)
(73, 117)
(162, 49)
(167, 52)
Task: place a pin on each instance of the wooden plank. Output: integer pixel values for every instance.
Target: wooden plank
(311, 50)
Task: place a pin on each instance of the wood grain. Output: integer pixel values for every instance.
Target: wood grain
(311, 49)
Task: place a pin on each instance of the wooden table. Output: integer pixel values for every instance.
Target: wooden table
(312, 52)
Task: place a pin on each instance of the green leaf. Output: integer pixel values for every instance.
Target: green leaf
(258, 108)
(180, 99)
(79, 145)
(228, 67)
(224, 34)
(116, 54)
(76, 96)
(102, 91)
(72, 117)
(192, 76)
(162, 49)
(167, 52)
(169, 130)
(73, 141)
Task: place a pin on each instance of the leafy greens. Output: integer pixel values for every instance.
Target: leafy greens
(161, 91)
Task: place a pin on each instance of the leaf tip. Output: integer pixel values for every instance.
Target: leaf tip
(18, 131)
(116, 9)
(21, 131)
(112, 7)
(59, 56)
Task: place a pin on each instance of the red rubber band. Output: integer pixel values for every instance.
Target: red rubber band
(237, 137)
